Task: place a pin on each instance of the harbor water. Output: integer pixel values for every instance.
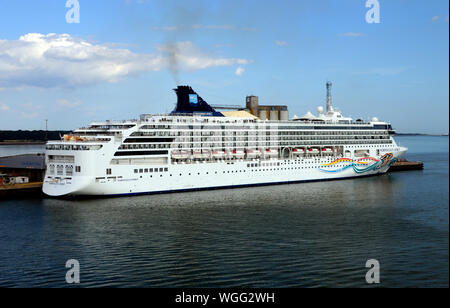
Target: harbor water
(316, 234)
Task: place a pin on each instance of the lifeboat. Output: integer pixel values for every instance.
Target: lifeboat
(298, 151)
(253, 153)
(313, 151)
(181, 155)
(176, 154)
(327, 151)
(238, 153)
(271, 152)
(218, 154)
(228, 154)
(206, 154)
(198, 154)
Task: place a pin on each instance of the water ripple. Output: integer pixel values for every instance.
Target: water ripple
(306, 235)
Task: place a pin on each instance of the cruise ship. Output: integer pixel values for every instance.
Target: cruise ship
(197, 147)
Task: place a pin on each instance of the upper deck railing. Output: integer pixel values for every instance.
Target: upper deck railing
(111, 126)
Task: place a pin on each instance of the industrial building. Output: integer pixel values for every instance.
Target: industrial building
(266, 112)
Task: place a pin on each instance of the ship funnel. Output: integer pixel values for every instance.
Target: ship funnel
(188, 101)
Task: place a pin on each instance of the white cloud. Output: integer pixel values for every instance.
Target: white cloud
(60, 60)
(239, 71)
(353, 34)
(3, 107)
(435, 18)
(66, 103)
(280, 43)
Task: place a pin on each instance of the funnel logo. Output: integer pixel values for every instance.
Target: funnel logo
(193, 99)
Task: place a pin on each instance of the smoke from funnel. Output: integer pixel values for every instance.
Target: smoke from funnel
(172, 57)
(180, 23)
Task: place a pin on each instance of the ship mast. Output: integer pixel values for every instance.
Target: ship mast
(329, 105)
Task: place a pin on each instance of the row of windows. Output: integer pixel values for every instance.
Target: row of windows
(247, 143)
(57, 147)
(254, 165)
(221, 125)
(60, 169)
(275, 138)
(250, 132)
(113, 126)
(242, 146)
(252, 144)
(94, 132)
(150, 170)
(259, 170)
(144, 146)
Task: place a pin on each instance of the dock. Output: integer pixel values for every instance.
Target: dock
(404, 165)
(21, 190)
(21, 175)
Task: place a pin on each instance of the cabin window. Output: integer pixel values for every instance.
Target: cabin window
(108, 171)
(78, 169)
(59, 169)
(69, 170)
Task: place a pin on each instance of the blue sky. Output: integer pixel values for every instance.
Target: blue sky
(115, 63)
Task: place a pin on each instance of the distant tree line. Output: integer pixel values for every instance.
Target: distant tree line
(31, 135)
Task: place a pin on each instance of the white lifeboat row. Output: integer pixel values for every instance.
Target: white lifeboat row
(218, 154)
(312, 151)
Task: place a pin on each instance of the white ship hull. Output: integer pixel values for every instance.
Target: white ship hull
(183, 177)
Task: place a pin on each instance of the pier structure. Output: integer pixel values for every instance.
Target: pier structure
(21, 174)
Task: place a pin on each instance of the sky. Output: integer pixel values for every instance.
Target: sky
(124, 57)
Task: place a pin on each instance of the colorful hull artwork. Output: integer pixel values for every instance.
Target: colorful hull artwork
(361, 165)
